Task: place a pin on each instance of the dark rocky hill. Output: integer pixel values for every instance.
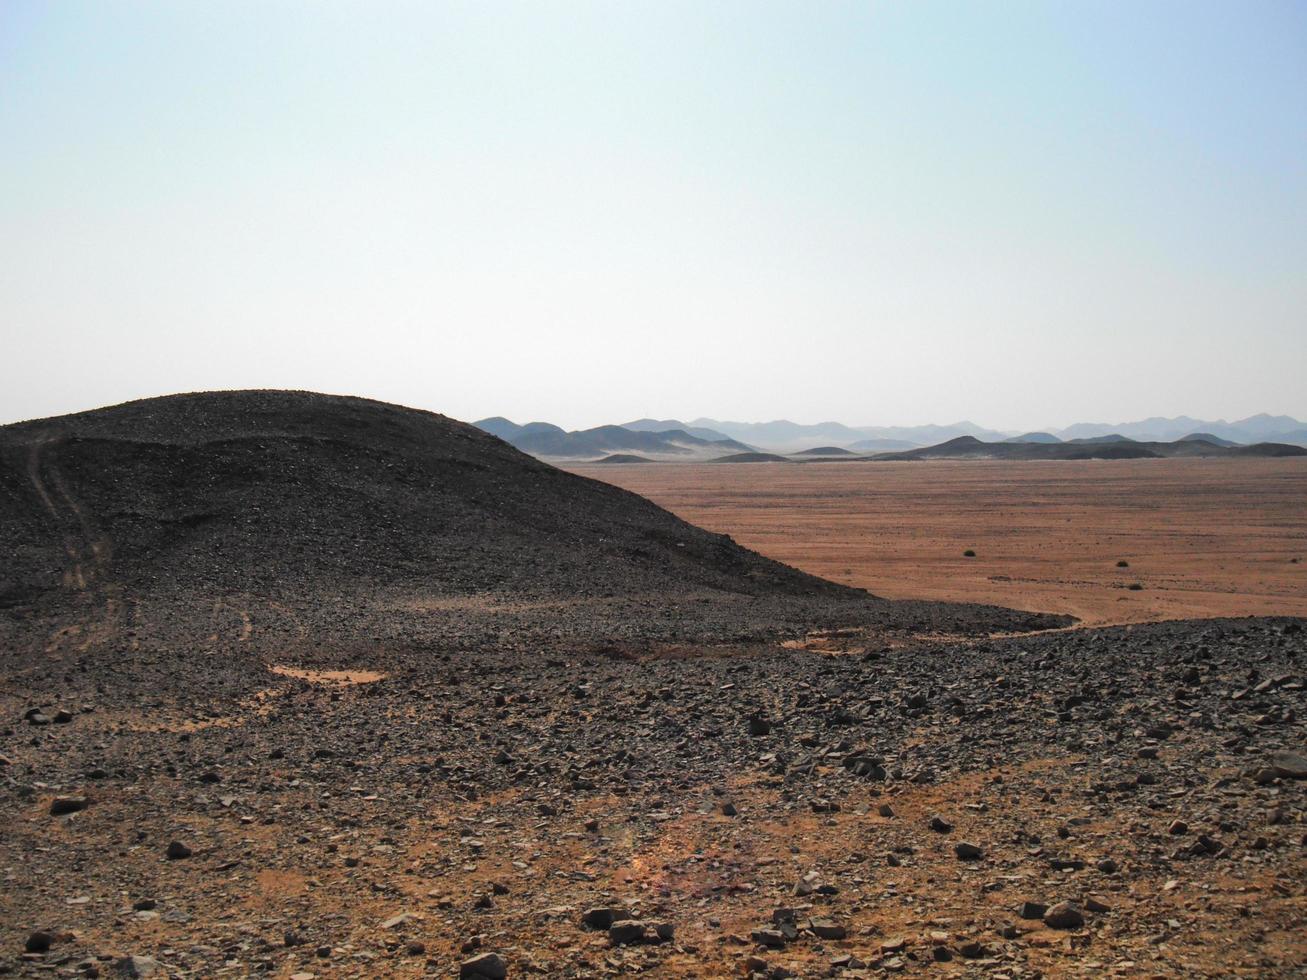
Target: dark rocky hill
(825, 451)
(267, 512)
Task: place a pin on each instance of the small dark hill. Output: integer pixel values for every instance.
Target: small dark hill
(1040, 437)
(624, 458)
(499, 426)
(1113, 451)
(826, 451)
(299, 492)
(967, 447)
(1269, 449)
(1099, 440)
(1208, 438)
(751, 458)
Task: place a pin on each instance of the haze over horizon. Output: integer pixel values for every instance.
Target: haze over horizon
(586, 214)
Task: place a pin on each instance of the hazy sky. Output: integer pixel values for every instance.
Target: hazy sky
(1025, 214)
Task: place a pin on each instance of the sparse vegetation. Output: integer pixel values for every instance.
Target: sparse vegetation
(1123, 564)
(969, 553)
(1135, 587)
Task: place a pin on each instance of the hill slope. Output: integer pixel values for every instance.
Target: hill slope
(360, 516)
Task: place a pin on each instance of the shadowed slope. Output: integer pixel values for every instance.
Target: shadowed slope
(329, 520)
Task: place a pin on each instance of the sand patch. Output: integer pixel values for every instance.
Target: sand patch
(343, 678)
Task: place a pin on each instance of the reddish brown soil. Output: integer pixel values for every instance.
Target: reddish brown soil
(1202, 537)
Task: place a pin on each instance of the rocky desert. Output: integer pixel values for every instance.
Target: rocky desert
(306, 686)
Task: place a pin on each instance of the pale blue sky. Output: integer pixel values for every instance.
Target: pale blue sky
(1026, 214)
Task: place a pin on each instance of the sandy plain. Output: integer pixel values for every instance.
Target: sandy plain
(1202, 537)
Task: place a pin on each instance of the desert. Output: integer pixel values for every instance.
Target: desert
(466, 714)
(677, 490)
(1203, 538)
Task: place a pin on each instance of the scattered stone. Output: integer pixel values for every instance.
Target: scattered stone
(487, 966)
(62, 805)
(1289, 765)
(1064, 915)
(39, 942)
(138, 966)
(827, 929)
(967, 851)
(626, 931)
(604, 917)
(177, 850)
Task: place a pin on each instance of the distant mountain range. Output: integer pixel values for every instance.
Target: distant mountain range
(706, 438)
(1095, 447)
(544, 439)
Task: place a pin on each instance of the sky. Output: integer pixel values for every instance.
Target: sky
(1023, 214)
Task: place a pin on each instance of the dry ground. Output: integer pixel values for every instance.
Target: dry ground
(1203, 537)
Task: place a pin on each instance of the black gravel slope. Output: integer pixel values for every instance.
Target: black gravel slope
(256, 497)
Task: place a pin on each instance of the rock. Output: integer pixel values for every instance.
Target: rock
(395, 921)
(39, 942)
(62, 717)
(771, 938)
(1178, 827)
(61, 805)
(967, 851)
(758, 725)
(885, 810)
(827, 929)
(1064, 915)
(177, 850)
(626, 931)
(1289, 765)
(1096, 905)
(487, 966)
(939, 825)
(603, 917)
(35, 717)
(1107, 866)
(1032, 910)
(728, 810)
(807, 884)
(138, 966)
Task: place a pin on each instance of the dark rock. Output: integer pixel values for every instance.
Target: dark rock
(487, 966)
(967, 851)
(61, 805)
(626, 931)
(1064, 915)
(39, 942)
(603, 917)
(177, 850)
